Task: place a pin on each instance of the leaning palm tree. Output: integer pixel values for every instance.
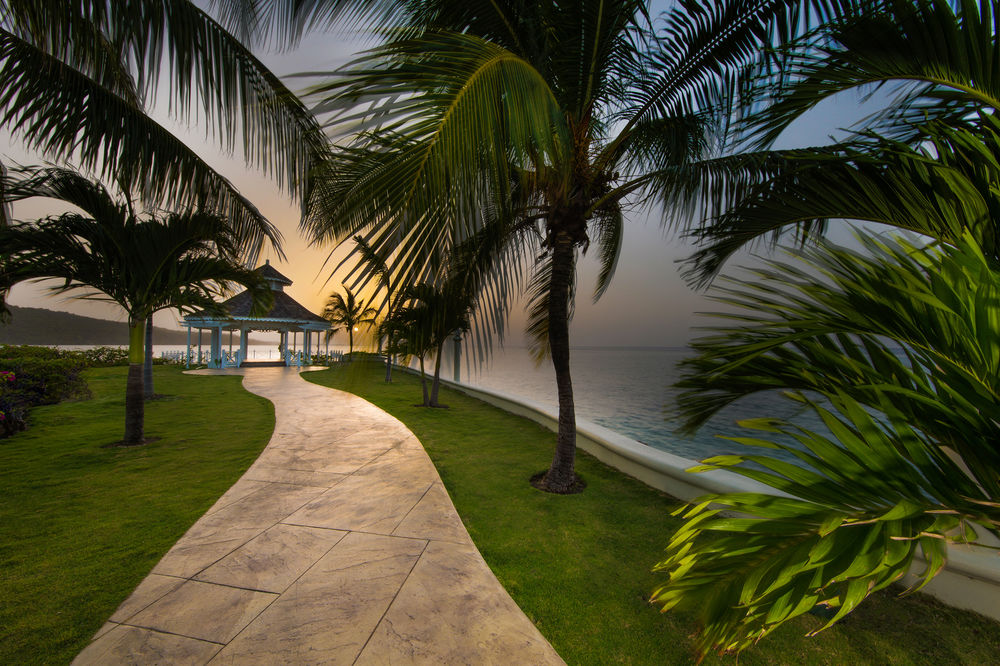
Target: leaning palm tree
(76, 81)
(144, 265)
(551, 117)
(895, 350)
(349, 312)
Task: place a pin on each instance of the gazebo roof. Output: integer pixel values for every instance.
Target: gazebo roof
(285, 307)
(269, 272)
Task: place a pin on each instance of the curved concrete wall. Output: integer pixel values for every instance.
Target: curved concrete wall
(971, 579)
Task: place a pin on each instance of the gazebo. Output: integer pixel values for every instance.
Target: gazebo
(286, 316)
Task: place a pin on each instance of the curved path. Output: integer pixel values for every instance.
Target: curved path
(339, 545)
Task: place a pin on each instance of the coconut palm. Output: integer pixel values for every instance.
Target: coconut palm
(552, 117)
(927, 162)
(348, 312)
(895, 349)
(177, 260)
(76, 80)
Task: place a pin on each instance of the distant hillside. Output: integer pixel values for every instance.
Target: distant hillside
(36, 326)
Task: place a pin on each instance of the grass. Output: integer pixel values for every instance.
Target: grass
(81, 525)
(580, 565)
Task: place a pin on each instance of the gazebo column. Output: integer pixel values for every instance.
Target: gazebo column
(307, 345)
(244, 335)
(199, 345)
(215, 360)
(284, 347)
(187, 356)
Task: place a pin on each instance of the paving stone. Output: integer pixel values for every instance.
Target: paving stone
(450, 611)
(204, 611)
(434, 517)
(245, 486)
(259, 472)
(150, 589)
(328, 614)
(132, 645)
(272, 561)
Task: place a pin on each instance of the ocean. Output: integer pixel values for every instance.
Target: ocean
(629, 390)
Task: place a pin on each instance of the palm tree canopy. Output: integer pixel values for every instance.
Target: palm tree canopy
(181, 259)
(349, 311)
(76, 78)
(551, 114)
(925, 163)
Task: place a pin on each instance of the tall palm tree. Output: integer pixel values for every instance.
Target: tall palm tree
(349, 312)
(76, 81)
(181, 260)
(551, 117)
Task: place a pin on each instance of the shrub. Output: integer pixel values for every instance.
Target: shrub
(46, 381)
(31, 376)
(11, 415)
(104, 357)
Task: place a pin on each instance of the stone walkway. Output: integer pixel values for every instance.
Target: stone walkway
(339, 545)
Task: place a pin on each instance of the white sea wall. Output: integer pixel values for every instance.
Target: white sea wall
(971, 579)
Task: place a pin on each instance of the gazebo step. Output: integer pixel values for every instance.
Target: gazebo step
(262, 364)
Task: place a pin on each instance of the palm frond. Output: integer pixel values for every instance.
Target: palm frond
(946, 53)
(890, 322)
(894, 349)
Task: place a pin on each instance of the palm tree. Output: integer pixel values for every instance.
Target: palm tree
(882, 485)
(429, 315)
(925, 163)
(894, 349)
(181, 260)
(376, 264)
(66, 185)
(75, 80)
(349, 312)
(548, 117)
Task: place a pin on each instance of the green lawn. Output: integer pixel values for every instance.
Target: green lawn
(579, 565)
(81, 525)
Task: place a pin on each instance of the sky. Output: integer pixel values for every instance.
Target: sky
(647, 305)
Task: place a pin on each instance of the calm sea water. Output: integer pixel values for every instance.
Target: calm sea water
(628, 390)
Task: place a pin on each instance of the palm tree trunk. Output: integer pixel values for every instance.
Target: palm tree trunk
(350, 342)
(134, 407)
(423, 382)
(388, 359)
(561, 473)
(437, 376)
(147, 368)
